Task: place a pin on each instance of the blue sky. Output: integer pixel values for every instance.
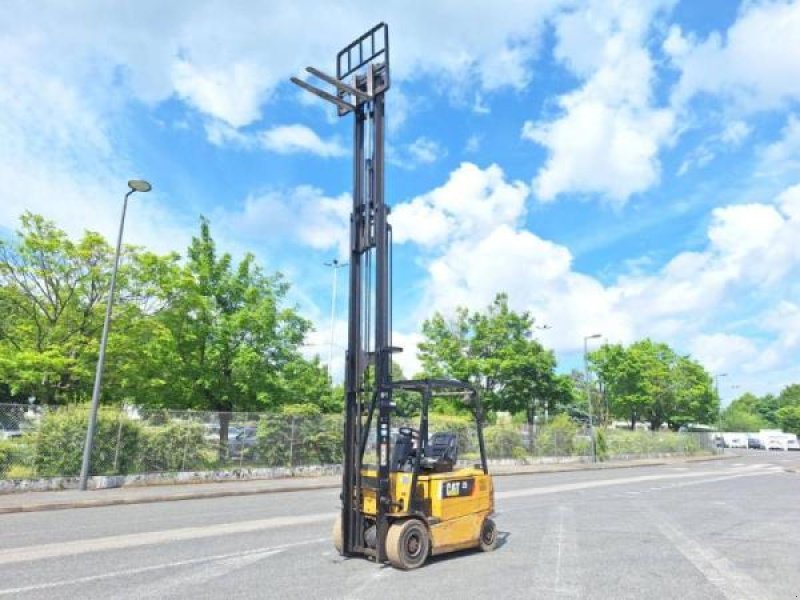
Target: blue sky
(628, 168)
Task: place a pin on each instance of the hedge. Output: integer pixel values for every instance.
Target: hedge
(175, 446)
(58, 442)
(504, 441)
(299, 437)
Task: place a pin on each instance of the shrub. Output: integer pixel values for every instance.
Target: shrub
(601, 444)
(300, 435)
(58, 442)
(503, 441)
(622, 442)
(20, 472)
(462, 426)
(175, 446)
(16, 458)
(557, 438)
(7, 448)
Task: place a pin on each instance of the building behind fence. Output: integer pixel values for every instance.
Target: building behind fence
(41, 442)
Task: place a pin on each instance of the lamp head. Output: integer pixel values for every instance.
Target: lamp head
(139, 185)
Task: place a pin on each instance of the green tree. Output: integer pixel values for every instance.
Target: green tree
(789, 419)
(236, 343)
(736, 418)
(649, 381)
(52, 295)
(495, 351)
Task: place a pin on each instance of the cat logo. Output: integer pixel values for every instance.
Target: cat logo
(457, 488)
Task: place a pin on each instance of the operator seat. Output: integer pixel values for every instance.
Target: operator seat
(441, 454)
(402, 452)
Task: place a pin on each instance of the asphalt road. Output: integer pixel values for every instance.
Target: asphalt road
(724, 529)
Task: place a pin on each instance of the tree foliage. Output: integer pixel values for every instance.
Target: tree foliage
(495, 351)
(648, 381)
(53, 292)
(749, 412)
(202, 333)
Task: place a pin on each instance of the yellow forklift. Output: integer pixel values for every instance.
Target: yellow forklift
(435, 505)
(406, 498)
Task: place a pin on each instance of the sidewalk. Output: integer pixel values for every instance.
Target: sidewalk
(39, 501)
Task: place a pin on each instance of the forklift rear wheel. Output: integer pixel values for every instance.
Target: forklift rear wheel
(488, 535)
(337, 534)
(407, 544)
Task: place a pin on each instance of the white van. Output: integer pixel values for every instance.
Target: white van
(735, 440)
(778, 440)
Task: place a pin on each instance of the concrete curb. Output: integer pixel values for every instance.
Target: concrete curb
(99, 502)
(296, 487)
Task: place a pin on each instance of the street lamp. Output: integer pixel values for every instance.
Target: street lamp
(588, 392)
(719, 407)
(336, 265)
(135, 185)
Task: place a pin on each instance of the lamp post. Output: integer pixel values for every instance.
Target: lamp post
(336, 265)
(135, 185)
(719, 407)
(588, 391)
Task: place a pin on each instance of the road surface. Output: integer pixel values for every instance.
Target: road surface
(724, 529)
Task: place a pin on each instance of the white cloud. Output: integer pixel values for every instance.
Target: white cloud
(283, 139)
(782, 157)
(60, 160)
(472, 200)
(730, 138)
(607, 137)
(290, 139)
(537, 274)
(407, 359)
(754, 63)
(227, 64)
(209, 90)
(473, 144)
(722, 352)
(425, 151)
(784, 320)
(422, 151)
(472, 229)
(735, 132)
(302, 214)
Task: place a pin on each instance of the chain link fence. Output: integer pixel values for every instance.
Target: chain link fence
(40, 442)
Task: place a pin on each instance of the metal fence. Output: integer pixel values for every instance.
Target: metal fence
(41, 442)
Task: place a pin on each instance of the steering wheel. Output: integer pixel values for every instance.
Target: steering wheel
(409, 432)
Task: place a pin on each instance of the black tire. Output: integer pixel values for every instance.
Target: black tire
(488, 540)
(408, 544)
(338, 542)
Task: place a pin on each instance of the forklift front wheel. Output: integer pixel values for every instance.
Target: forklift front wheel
(488, 535)
(337, 534)
(407, 544)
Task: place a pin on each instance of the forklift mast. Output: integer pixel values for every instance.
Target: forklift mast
(361, 82)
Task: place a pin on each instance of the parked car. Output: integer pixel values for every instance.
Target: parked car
(755, 443)
(792, 444)
(775, 444)
(211, 433)
(7, 434)
(241, 442)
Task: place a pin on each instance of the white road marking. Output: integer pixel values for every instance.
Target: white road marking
(717, 569)
(118, 542)
(570, 487)
(567, 552)
(234, 558)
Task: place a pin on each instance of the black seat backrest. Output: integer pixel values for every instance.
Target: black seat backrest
(401, 452)
(443, 446)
